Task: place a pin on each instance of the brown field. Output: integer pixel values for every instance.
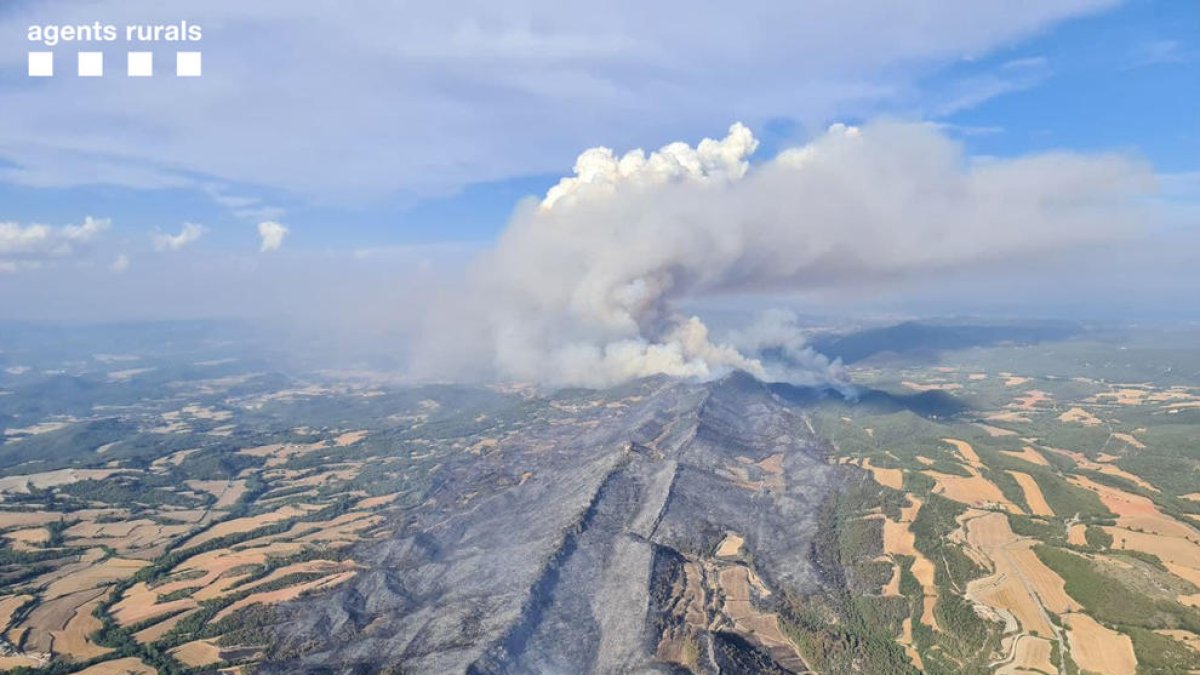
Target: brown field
(226, 492)
(140, 602)
(1128, 439)
(763, 628)
(27, 539)
(242, 525)
(9, 604)
(326, 567)
(73, 639)
(1027, 454)
(373, 502)
(197, 653)
(20, 660)
(285, 594)
(906, 641)
(995, 432)
(1046, 583)
(1075, 534)
(143, 534)
(205, 413)
(320, 477)
(349, 438)
(36, 429)
(143, 606)
(1194, 496)
(1033, 494)
(1099, 649)
(1079, 416)
(1136, 512)
(148, 635)
(173, 459)
(1013, 380)
(730, 546)
(190, 516)
(1082, 461)
(50, 618)
(1124, 396)
(48, 479)
(27, 518)
(279, 453)
(1007, 416)
(899, 540)
(1021, 590)
(893, 478)
(965, 451)
(99, 574)
(341, 529)
(1029, 655)
(972, 490)
(1031, 400)
(127, 666)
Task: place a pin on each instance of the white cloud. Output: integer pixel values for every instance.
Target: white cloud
(28, 246)
(429, 97)
(584, 287)
(1157, 52)
(247, 207)
(175, 242)
(121, 264)
(271, 233)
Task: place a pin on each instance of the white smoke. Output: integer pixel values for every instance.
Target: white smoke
(582, 287)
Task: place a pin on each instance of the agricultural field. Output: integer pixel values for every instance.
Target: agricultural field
(1039, 514)
(150, 519)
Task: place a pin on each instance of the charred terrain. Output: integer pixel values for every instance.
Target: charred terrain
(661, 524)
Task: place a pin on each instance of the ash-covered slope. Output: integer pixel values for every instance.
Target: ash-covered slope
(653, 532)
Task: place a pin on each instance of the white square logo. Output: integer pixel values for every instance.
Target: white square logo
(41, 64)
(91, 64)
(187, 64)
(141, 64)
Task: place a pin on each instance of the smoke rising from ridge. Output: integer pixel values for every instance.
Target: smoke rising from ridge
(582, 287)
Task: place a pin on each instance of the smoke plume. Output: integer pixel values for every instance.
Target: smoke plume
(583, 286)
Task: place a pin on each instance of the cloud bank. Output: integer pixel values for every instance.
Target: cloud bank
(583, 287)
(26, 246)
(433, 96)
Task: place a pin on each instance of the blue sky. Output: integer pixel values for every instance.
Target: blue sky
(395, 132)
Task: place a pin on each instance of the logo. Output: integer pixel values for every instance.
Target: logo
(143, 55)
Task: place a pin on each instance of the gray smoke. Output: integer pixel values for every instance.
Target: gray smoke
(582, 287)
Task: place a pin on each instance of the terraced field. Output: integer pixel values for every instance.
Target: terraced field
(210, 509)
(138, 577)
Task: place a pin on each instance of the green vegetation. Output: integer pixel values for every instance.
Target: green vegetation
(1097, 537)
(1109, 600)
(966, 641)
(1036, 527)
(841, 631)
(1161, 654)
